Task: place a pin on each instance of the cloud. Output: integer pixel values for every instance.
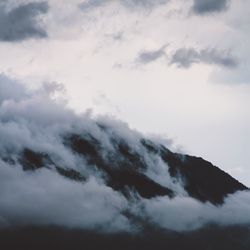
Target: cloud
(187, 214)
(60, 202)
(89, 5)
(143, 3)
(9, 89)
(93, 4)
(203, 7)
(21, 22)
(148, 56)
(186, 57)
(32, 119)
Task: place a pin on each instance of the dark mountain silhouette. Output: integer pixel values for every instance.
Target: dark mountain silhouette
(124, 169)
(123, 165)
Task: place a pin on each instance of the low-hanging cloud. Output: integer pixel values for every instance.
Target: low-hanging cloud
(185, 213)
(202, 7)
(21, 23)
(34, 120)
(45, 198)
(186, 57)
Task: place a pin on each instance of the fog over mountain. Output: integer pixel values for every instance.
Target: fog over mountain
(95, 173)
(124, 125)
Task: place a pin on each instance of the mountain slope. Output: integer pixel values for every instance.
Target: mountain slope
(124, 169)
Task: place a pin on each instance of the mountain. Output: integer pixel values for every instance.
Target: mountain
(77, 182)
(70, 181)
(124, 169)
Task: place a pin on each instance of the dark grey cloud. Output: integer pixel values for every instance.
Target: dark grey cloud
(186, 57)
(148, 56)
(209, 6)
(131, 4)
(21, 23)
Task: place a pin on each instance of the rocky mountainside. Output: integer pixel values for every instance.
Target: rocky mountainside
(124, 169)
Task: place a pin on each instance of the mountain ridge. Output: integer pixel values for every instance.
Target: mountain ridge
(124, 169)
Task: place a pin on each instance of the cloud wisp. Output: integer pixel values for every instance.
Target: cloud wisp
(186, 57)
(22, 22)
(89, 5)
(148, 56)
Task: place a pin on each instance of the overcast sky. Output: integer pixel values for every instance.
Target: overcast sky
(178, 68)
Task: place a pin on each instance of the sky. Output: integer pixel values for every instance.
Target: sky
(176, 68)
